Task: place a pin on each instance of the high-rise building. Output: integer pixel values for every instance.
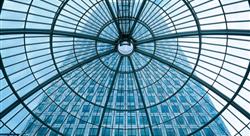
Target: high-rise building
(173, 106)
(124, 67)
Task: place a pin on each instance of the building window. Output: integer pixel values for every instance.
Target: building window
(182, 131)
(145, 132)
(120, 99)
(93, 132)
(42, 131)
(106, 132)
(83, 119)
(180, 120)
(132, 132)
(143, 120)
(59, 119)
(71, 120)
(157, 132)
(119, 120)
(155, 119)
(107, 120)
(191, 120)
(164, 109)
(170, 132)
(154, 109)
(95, 119)
(79, 132)
(118, 132)
(131, 120)
(48, 118)
(85, 108)
(67, 131)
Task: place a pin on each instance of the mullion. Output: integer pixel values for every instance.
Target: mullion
(211, 96)
(73, 98)
(235, 105)
(174, 116)
(178, 100)
(150, 16)
(141, 94)
(197, 102)
(43, 92)
(33, 6)
(109, 94)
(58, 75)
(144, 15)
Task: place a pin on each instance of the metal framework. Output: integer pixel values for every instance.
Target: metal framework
(46, 43)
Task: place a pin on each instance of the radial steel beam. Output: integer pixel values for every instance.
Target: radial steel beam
(194, 33)
(108, 96)
(20, 101)
(204, 83)
(113, 17)
(1, 5)
(53, 78)
(137, 17)
(230, 102)
(54, 32)
(143, 101)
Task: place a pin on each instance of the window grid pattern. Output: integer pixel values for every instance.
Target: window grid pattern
(61, 72)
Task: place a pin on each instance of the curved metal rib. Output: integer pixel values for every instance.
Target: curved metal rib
(194, 33)
(30, 93)
(113, 17)
(142, 98)
(204, 83)
(109, 93)
(54, 32)
(137, 17)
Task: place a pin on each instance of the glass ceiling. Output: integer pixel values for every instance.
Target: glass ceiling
(125, 67)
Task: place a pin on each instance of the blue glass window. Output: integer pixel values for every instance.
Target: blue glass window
(92, 131)
(143, 120)
(145, 132)
(120, 99)
(107, 120)
(132, 132)
(167, 120)
(42, 131)
(154, 109)
(48, 118)
(71, 120)
(106, 132)
(155, 120)
(164, 109)
(59, 119)
(79, 132)
(180, 120)
(85, 108)
(95, 119)
(209, 132)
(131, 99)
(83, 119)
(52, 108)
(119, 120)
(118, 132)
(182, 131)
(176, 109)
(67, 131)
(131, 120)
(157, 132)
(170, 132)
(191, 120)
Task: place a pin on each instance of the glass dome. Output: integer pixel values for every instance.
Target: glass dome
(125, 67)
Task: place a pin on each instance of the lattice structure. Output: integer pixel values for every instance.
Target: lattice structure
(125, 67)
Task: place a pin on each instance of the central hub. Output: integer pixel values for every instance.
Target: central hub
(125, 48)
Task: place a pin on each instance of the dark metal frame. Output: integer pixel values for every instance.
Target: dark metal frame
(52, 32)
